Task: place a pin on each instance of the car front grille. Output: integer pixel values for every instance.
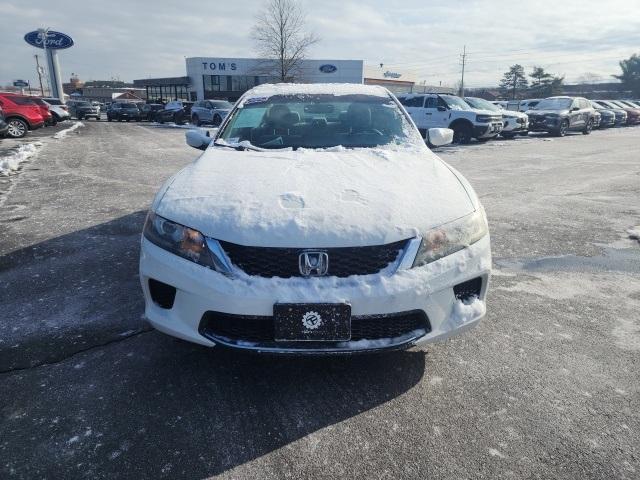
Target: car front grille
(283, 262)
(259, 331)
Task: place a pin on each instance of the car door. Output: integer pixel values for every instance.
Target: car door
(439, 114)
(414, 105)
(585, 110)
(575, 115)
(209, 108)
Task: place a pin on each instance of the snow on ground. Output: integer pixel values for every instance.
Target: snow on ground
(63, 133)
(186, 126)
(634, 233)
(464, 312)
(11, 162)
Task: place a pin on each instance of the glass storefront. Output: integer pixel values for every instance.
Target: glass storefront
(217, 86)
(166, 93)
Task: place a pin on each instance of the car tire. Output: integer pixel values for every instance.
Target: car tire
(178, 120)
(217, 120)
(562, 130)
(462, 133)
(588, 127)
(17, 128)
(196, 120)
(508, 136)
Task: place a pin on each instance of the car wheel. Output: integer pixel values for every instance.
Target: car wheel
(562, 130)
(177, 119)
(196, 120)
(588, 127)
(128, 120)
(508, 136)
(462, 133)
(483, 140)
(217, 120)
(17, 128)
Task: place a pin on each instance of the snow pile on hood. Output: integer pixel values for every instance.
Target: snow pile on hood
(63, 133)
(11, 162)
(330, 198)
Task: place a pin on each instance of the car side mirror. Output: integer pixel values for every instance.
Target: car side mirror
(199, 139)
(575, 109)
(442, 109)
(438, 137)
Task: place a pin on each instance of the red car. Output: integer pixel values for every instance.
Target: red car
(44, 110)
(21, 114)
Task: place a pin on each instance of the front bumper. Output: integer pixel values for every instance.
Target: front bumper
(428, 289)
(511, 125)
(488, 130)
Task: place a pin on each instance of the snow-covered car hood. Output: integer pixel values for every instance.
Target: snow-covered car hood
(311, 198)
(513, 114)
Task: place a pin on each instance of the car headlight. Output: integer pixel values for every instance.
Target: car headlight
(185, 242)
(483, 118)
(451, 237)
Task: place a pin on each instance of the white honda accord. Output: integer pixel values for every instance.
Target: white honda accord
(316, 221)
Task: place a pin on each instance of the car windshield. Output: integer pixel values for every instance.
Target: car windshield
(554, 104)
(455, 103)
(482, 104)
(222, 105)
(318, 121)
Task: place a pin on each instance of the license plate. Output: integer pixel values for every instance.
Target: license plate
(312, 322)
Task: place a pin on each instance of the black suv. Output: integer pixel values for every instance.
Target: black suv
(123, 111)
(148, 110)
(82, 110)
(558, 115)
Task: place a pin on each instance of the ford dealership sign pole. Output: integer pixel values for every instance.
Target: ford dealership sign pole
(51, 42)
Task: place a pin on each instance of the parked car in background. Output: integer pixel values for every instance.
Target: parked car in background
(21, 114)
(633, 114)
(59, 110)
(597, 118)
(558, 115)
(607, 115)
(620, 113)
(430, 110)
(120, 111)
(211, 112)
(513, 123)
(82, 109)
(177, 111)
(345, 280)
(523, 105)
(3, 124)
(148, 111)
(501, 103)
(45, 111)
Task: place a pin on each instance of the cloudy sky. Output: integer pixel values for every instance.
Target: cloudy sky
(420, 39)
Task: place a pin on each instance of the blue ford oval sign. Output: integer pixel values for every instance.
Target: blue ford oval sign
(55, 40)
(328, 68)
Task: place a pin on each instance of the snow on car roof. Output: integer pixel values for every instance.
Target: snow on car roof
(268, 89)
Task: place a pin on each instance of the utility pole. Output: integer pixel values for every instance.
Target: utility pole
(464, 59)
(39, 70)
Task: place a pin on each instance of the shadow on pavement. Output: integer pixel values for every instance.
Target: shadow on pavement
(69, 293)
(156, 407)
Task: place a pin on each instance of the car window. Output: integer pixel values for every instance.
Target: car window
(432, 102)
(454, 103)
(22, 100)
(412, 101)
(319, 121)
(222, 105)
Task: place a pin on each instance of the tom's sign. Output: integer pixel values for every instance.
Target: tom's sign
(54, 40)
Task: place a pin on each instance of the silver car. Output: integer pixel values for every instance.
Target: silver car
(212, 112)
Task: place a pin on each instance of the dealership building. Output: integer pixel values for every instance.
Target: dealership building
(229, 78)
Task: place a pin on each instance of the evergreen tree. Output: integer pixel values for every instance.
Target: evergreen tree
(513, 81)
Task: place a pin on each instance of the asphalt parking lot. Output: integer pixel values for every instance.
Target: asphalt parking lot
(548, 386)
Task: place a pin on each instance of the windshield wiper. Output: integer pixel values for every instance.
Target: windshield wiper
(241, 146)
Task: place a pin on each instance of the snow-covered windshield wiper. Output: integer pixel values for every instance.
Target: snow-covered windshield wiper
(243, 145)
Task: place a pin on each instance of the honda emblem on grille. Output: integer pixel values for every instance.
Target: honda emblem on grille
(313, 264)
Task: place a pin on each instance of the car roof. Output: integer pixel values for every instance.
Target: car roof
(337, 89)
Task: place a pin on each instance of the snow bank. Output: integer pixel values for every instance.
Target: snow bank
(63, 133)
(186, 126)
(634, 233)
(12, 161)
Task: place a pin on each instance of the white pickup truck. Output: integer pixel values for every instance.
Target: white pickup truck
(433, 110)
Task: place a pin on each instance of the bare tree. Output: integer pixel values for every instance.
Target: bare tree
(281, 37)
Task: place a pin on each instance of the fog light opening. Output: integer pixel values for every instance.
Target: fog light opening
(467, 290)
(162, 294)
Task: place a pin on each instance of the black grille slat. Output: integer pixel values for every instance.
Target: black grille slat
(260, 329)
(283, 262)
